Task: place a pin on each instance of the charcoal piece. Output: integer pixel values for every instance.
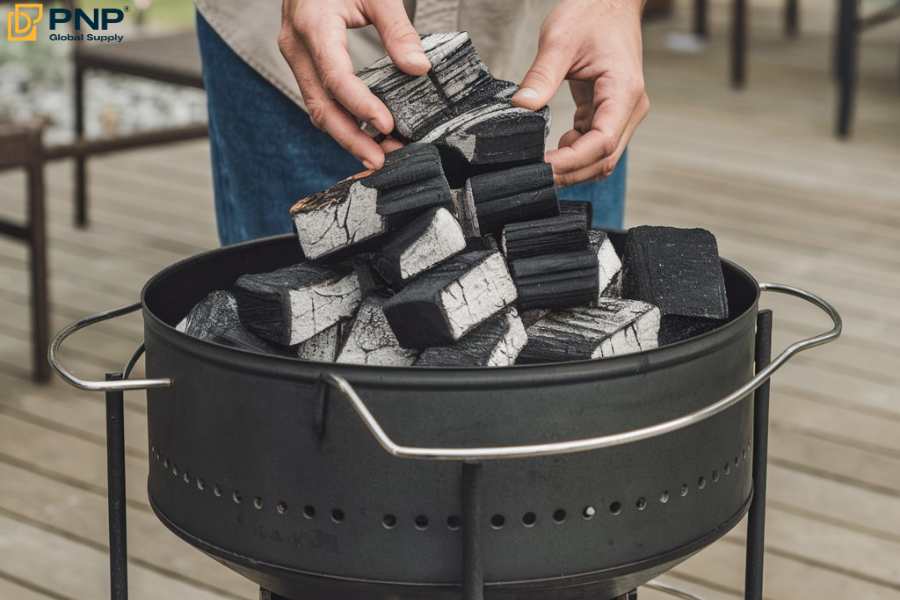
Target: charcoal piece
(362, 209)
(464, 209)
(495, 343)
(215, 318)
(324, 346)
(530, 317)
(673, 328)
(369, 279)
(522, 193)
(485, 242)
(609, 265)
(419, 104)
(677, 270)
(443, 304)
(429, 239)
(612, 328)
(553, 235)
(556, 280)
(371, 341)
(290, 305)
(577, 207)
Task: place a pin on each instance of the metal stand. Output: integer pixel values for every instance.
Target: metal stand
(115, 481)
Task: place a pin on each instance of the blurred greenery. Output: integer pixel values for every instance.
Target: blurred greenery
(164, 13)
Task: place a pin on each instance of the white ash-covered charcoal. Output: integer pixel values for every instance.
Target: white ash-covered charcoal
(556, 280)
(360, 210)
(371, 340)
(464, 209)
(445, 303)
(584, 210)
(291, 305)
(609, 265)
(495, 343)
(215, 318)
(419, 104)
(679, 271)
(429, 239)
(324, 346)
(553, 235)
(613, 327)
(522, 193)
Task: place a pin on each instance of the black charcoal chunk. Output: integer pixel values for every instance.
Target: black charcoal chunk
(522, 193)
(478, 244)
(609, 265)
(324, 346)
(369, 279)
(585, 210)
(410, 182)
(614, 327)
(429, 239)
(464, 209)
(443, 304)
(556, 280)
(677, 270)
(215, 319)
(553, 235)
(291, 305)
(674, 329)
(371, 340)
(495, 343)
(530, 317)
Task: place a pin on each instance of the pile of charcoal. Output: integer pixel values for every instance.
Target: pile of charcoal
(458, 253)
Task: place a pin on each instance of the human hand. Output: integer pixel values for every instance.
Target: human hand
(596, 45)
(313, 40)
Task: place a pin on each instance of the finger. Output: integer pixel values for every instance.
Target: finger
(327, 43)
(569, 137)
(399, 37)
(324, 112)
(390, 144)
(547, 72)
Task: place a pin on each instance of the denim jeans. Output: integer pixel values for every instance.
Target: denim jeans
(266, 154)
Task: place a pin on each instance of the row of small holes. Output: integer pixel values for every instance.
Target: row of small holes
(454, 522)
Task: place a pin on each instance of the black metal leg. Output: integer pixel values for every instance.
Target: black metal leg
(739, 44)
(115, 481)
(473, 566)
(37, 242)
(80, 160)
(847, 63)
(701, 18)
(756, 523)
(792, 18)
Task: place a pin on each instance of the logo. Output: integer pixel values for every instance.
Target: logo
(22, 20)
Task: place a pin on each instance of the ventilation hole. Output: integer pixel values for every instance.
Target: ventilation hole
(337, 515)
(737, 461)
(715, 476)
(309, 511)
(727, 468)
(389, 521)
(701, 483)
(165, 463)
(588, 512)
(217, 491)
(153, 450)
(615, 508)
(201, 485)
(529, 519)
(421, 522)
(664, 497)
(641, 503)
(454, 522)
(186, 477)
(684, 489)
(559, 515)
(236, 497)
(257, 503)
(174, 469)
(281, 508)
(498, 521)
(744, 454)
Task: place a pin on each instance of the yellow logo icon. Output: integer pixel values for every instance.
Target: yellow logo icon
(22, 20)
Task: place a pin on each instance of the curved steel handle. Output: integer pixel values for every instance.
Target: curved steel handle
(605, 441)
(101, 386)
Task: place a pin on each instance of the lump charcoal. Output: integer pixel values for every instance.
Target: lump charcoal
(368, 278)
(677, 270)
(322, 347)
(443, 304)
(419, 104)
(577, 207)
(564, 233)
(215, 318)
(429, 239)
(486, 242)
(530, 317)
(556, 280)
(609, 265)
(361, 209)
(291, 305)
(612, 328)
(495, 343)
(522, 193)
(371, 340)
(464, 208)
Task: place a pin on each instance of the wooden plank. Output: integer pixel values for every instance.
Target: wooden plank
(20, 589)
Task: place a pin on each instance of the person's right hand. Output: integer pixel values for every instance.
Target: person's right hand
(313, 40)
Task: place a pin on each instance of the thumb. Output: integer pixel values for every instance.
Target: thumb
(399, 37)
(543, 78)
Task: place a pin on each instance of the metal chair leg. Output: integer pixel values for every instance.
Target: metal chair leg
(80, 166)
(847, 41)
(739, 44)
(37, 243)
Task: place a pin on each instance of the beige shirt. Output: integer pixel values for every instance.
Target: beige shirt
(505, 32)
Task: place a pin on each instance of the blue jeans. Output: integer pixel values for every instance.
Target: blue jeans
(266, 154)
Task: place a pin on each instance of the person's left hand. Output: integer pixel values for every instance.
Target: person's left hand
(596, 45)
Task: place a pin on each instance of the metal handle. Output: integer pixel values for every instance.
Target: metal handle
(101, 386)
(605, 441)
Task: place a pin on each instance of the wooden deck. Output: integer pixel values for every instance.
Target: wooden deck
(758, 168)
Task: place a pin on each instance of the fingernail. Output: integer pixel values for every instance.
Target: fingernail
(368, 165)
(418, 59)
(527, 94)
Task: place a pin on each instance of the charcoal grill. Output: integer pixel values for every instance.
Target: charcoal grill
(322, 481)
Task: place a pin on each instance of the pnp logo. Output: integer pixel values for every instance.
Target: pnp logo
(22, 20)
(97, 19)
